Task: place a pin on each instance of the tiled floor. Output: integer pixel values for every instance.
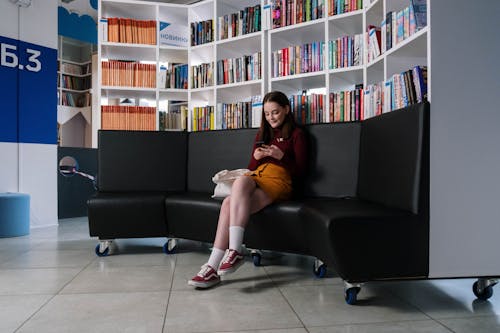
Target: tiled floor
(51, 281)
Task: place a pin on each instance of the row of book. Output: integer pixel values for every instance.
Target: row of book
(399, 25)
(345, 51)
(241, 69)
(77, 100)
(174, 76)
(401, 90)
(337, 7)
(74, 69)
(128, 74)
(297, 59)
(308, 108)
(202, 75)
(243, 114)
(289, 12)
(202, 32)
(127, 30)
(174, 119)
(75, 83)
(245, 21)
(347, 105)
(135, 118)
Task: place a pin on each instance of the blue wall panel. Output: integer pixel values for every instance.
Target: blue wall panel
(37, 94)
(8, 91)
(28, 90)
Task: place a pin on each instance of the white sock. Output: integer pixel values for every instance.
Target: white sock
(215, 257)
(236, 237)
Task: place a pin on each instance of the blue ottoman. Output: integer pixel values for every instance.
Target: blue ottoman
(14, 214)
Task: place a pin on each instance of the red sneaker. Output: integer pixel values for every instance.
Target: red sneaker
(206, 278)
(230, 263)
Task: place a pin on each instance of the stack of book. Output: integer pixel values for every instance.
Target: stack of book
(246, 21)
(127, 30)
(308, 108)
(289, 12)
(128, 74)
(297, 59)
(122, 117)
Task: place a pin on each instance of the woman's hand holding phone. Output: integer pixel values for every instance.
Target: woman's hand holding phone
(264, 150)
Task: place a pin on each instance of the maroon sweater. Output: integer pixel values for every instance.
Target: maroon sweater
(294, 149)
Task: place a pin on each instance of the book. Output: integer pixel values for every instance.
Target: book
(420, 12)
(420, 81)
(103, 22)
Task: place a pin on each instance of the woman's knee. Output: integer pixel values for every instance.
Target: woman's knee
(243, 184)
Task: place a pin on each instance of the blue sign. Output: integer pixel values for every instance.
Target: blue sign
(28, 92)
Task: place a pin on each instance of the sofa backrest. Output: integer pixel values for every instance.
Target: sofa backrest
(393, 162)
(141, 161)
(333, 168)
(212, 151)
(333, 164)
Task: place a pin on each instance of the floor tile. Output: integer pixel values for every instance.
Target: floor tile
(50, 259)
(35, 281)
(422, 326)
(487, 324)
(124, 312)
(96, 279)
(284, 330)
(136, 259)
(228, 310)
(451, 298)
(17, 309)
(294, 273)
(325, 306)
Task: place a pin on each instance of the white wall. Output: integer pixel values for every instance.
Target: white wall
(465, 139)
(31, 167)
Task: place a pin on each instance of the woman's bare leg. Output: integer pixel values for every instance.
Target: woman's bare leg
(222, 236)
(246, 198)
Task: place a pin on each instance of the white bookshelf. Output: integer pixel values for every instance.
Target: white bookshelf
(74, 111)
(412, 51)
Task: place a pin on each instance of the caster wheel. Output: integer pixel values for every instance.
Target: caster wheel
(256, 257)
(102, 253)
(169, 246)
(320, 271)
(351, 295)
(482, 294)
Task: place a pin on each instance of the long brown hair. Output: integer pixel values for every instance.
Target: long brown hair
(266, 132)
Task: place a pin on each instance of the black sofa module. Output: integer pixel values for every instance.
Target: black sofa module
(135, 172)
(363, 208)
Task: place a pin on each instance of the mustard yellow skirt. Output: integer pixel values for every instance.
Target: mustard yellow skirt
(274, 180)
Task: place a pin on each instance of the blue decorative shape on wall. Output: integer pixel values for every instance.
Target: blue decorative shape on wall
(81, 27)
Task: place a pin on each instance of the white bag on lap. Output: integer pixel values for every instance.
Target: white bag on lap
(224, 180)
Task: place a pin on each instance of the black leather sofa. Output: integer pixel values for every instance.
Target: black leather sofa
(363, 208)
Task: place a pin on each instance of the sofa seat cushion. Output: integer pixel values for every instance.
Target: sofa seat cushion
(192, 215)
(368, 240)
(277, 227)
(127, 215)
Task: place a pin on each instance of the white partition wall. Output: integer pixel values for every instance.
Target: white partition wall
(28, 120)
(465, 139)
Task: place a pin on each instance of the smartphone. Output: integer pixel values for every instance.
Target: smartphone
(259, 143)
